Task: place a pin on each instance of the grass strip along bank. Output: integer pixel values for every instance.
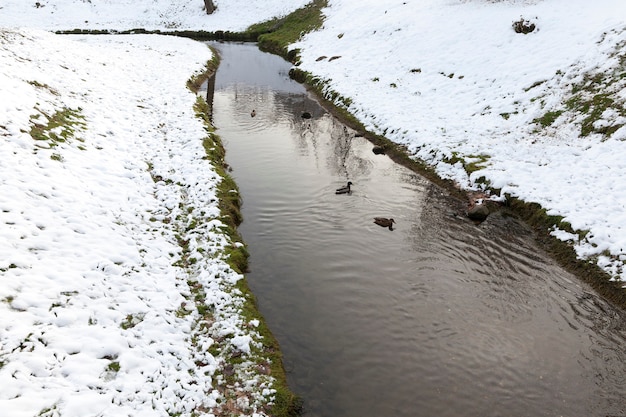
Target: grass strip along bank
(265, 353)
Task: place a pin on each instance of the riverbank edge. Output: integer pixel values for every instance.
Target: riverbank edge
(268, 358)
(535, 216)
(277, 37)
(532, 214)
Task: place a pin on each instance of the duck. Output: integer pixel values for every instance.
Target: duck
(477, 206)
(253, 113)
(379, 150)
(344, 190)
(384, 222)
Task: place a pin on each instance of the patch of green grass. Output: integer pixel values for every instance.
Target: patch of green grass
(43, 86)
(339, 99)
(536, 84)
(238, 258)
(589, 99)
(471, 163)
(131, 321)
(592, 107)
(113, 366)
(55, 305)
(548, 118)
(49, 411)
(57, 128)
(227, 192)
(478, 162)
(229, 201)
(277, 34)
(204, 310)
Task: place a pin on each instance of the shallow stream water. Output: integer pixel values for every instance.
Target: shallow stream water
(438, 317)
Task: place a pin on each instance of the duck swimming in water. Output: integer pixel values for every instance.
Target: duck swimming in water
(253, 113)
(384, 222)
(344, 190)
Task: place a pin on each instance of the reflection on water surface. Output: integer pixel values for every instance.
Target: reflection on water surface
(438, 317)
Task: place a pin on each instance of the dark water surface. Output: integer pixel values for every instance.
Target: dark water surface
(439, 317)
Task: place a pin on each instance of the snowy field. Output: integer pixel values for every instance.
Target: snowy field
(97, 318)
(231, 15)
(96, 314)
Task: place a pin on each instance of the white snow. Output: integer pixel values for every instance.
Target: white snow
(165, 15)
(97, 316)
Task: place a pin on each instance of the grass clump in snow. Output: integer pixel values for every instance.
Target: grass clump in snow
(58, 127)
(596, 103)
(229, 200)
(44, 86)
(49, 411)
(548, 118)
(277, 34)
(471, 163)
(593, 106)
(131, 321)
(113, 367)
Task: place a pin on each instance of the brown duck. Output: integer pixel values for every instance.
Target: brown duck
(344, 190)
(384, 222)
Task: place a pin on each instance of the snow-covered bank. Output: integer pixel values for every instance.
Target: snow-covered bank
(103, 174)
(454, 82)
(231, 15)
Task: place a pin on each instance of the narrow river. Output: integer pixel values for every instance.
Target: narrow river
(438, 317)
